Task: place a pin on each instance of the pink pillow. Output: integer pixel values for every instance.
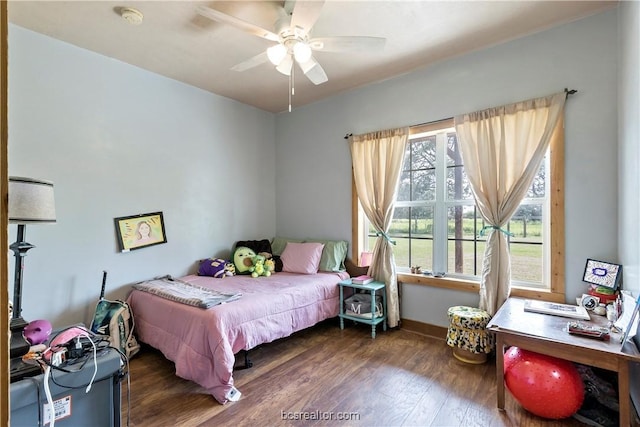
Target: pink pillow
(301, 258)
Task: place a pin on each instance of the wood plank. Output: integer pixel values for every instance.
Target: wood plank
(4, 215)
(398, 379)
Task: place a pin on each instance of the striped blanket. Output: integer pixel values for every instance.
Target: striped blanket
(185, 293)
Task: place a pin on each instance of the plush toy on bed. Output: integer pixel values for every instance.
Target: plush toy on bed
(215, 267)
(229, 269)
(243, 259)
(270, 266)
(258, 268)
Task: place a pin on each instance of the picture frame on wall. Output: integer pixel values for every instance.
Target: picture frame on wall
(601, 273)
(140, 231)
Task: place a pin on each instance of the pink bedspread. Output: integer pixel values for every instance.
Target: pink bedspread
(202, 343)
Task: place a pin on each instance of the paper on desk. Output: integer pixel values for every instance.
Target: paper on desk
(628, 305)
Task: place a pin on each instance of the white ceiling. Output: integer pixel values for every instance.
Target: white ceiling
(175, 41)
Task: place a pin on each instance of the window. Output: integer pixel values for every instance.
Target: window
(437, 226)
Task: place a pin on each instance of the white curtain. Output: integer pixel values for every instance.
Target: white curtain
(377, 162)
(502, 149)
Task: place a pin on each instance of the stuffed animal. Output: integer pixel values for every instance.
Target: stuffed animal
(258, 268)
(214, 267)
(270, 266)
(229, 269)
(243, 259)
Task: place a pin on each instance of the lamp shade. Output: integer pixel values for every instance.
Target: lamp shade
(31, 201)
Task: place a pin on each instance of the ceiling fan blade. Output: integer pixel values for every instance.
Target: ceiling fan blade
(259, 59)
(306, 13)
(314, 71)
(245, 26)
(348, 44)
(285, 66)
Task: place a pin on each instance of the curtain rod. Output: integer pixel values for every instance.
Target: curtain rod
(566, 91)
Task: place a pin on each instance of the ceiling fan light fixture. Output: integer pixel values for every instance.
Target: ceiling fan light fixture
(285, 65)
(276, 53)
(302, 52)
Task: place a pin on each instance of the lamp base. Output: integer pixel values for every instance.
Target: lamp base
(19, 347)
(20, 370)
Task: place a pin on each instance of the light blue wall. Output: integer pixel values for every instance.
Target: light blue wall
(313, 184)
(177, 149)
(629, 141)
(629, 157)
(117, 140)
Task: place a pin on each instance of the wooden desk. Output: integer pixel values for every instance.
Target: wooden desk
(545, 334)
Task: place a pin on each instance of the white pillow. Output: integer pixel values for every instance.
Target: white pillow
(303, 258)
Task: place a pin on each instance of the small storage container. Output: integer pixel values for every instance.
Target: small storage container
(467, 334)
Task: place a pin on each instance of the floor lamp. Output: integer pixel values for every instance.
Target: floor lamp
(30, 202)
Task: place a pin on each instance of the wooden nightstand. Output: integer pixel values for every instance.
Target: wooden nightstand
(373, 320)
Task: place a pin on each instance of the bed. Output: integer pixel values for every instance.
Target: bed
(203, 342)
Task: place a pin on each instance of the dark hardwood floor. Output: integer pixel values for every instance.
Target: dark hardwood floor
(398, 379)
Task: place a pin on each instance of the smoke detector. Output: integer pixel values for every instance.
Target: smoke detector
(131, 15)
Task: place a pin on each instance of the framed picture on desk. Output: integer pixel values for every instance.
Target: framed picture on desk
(600, 273)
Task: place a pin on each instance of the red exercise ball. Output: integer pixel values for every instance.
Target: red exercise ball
(545, 386)
(511, 357)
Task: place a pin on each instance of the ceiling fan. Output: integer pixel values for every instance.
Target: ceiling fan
(293, 41)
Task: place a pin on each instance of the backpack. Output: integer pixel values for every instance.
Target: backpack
(114, 320)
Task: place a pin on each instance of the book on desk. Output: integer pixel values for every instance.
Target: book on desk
(557, 309)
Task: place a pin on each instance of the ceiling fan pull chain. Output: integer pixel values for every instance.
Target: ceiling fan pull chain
(293, 78)
(292, 90)
(290, 86)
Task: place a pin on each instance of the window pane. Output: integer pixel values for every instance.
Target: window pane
(400, 223)
(371, 241)
(399, 231)
(526, 262)
(526, 224)
(412, 229)
(463, 222)
(421, 231)
(538, 186)
(404, 188)
(465, 257)
(418, 180)
(464, 252)
(454, 158)
(526, 244)
(424, 185)
(423, 154)
(458, 187)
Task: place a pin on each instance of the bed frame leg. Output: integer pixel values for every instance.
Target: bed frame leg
(247, 362)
